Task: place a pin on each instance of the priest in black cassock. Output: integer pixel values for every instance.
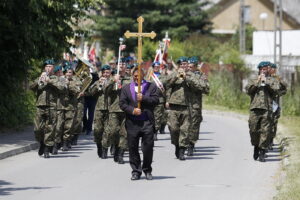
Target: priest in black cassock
(139, 123)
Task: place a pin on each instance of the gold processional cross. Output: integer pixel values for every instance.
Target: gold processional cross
(140, 36)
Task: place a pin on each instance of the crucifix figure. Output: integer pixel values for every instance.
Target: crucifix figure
(140, 36)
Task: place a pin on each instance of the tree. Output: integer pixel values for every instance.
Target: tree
(31, 31)
(179, 17)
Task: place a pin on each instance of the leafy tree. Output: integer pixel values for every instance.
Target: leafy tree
(178, 17)
(31, 31)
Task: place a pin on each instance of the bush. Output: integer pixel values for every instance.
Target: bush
(291, 102)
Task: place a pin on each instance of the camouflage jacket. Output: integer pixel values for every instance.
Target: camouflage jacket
(182, 91)
(98, 90)
(47, 93)
(262, 96)
(282, 88)
(113, 93)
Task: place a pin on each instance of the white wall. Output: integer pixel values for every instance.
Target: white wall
(263, 42)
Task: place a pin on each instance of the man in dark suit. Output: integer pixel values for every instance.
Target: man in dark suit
(139, 123)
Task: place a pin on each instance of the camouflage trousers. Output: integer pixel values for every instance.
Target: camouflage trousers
(70, 119)
(44, 125)
(79, 116)
(100, 124)
(158, 116)
(115, 133)
(275, 118)
(196, 119)
(179, 123)
(260, 127)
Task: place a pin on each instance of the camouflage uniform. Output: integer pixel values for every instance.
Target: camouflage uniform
(79, 109)
(196, 106)
(260, 119)
(276, 113)
(45, 118)
(115, 133)
(179, 94)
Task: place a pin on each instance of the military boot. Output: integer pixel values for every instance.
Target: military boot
(177, 151)
(74, 140)
(155, 136)
(162, 129)
(190, 150)
(181, 153)
(55, 149)
(46, 152)
(41, 149)
(121, 156)
(262, 155)
(256, 153)
(99, 149)
(69, 144)
(116, 155)
(104, 153)
(65, 146)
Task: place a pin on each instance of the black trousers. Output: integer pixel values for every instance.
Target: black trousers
(136, 130)
(88, 112)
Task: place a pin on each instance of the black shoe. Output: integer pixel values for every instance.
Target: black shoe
(46, 152)
(162, 129)
(181, 153)
(262, 155)
(88, 132)
(116, 155)
(41, 149)
(112, 150)
(190, 150)
(177, 151)
(135, 176)
(121, 157)
(104, 153)
(155, 137)
(65, 146)
(99, 150)
(256, 153)
(148, 176)
(55, 149)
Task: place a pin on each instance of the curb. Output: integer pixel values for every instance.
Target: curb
(19, 150)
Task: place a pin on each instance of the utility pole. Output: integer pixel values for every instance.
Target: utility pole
(242, 28)
(278, 33)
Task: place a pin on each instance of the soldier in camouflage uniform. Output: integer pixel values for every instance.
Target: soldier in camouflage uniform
(159, 109)
(276, 104)
(262, 91)
(181, 86)
(101, 112)
(73, 90)
(46, 88)
(196, 104)
(115, 133)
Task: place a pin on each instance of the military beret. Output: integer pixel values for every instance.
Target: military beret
(193, 60)
(129, 58)
(49, 62)
(105, 67)
(66, 66)
(57, 68)
(114, 71)
(128, 66)
(263, 64)
(182, 59)
(273, 65)
(156, 63)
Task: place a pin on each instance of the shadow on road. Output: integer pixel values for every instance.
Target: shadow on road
(6, 189)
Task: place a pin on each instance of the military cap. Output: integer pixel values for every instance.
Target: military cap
(182, 59)
(193, 60)
(57, 68)
(263, 64)
(49, 62)
(273, 65)
(156, 63)
(105, 67)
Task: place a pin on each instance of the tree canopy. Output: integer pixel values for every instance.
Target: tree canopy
(179, 17)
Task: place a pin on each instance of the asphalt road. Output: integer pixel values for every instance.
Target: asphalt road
(221, 169)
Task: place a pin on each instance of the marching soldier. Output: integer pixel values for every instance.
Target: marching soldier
(101, 112)
(262, 91)
(46, 88)
(276, 102)
(196, 104)
(117, 135)
(181, 85)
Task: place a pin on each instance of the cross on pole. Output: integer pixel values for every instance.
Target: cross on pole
(140, 36)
